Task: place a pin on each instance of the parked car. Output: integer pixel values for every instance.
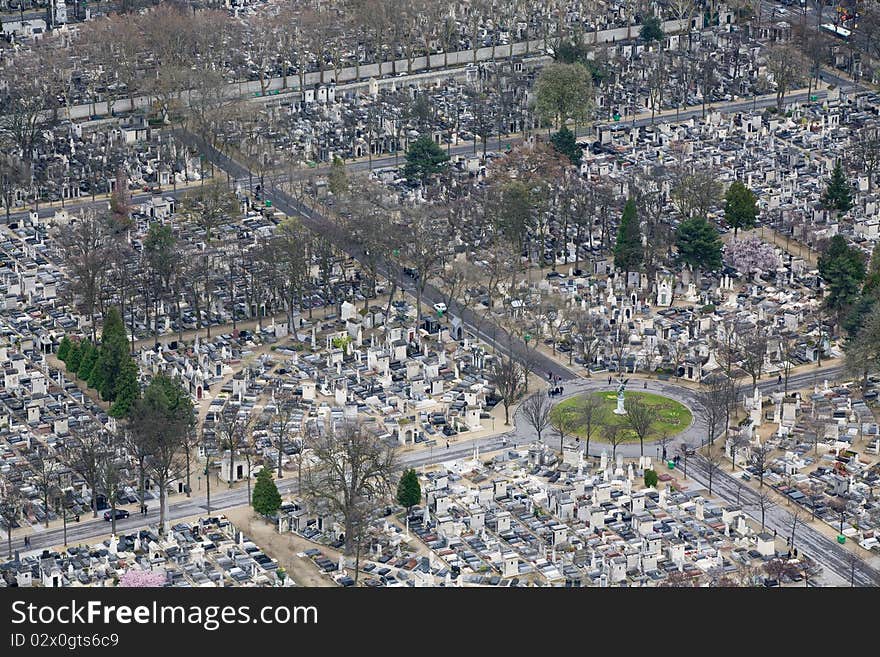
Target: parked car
(120, 514)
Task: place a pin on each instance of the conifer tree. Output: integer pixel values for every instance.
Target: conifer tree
(64, 349)
(266, 499)
(409, 492)
(838, 194)
(628, 253)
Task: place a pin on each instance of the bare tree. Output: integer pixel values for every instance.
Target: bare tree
(639, 419)
(794, 518)
(234, 430)
(109, 482)
(590, 414)
(208, 207)
(45, 474)
(564, 421)
(138, 444)
(713, 464)
(509, 380)
(713, 399)
(10, 509)
(83, 242)
(754, 349)
(763, 502)
(615, 434)
(695, 192)
(84, 453)
(786, 64)
(866, 152)
(536, 409)
(759, 458)
(739, 440)
(353, 476)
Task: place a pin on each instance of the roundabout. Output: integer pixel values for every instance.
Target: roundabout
(679, 413)
(671, 416)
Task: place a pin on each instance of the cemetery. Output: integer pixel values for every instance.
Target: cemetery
(314, 229)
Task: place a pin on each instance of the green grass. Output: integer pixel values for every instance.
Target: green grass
(672, 417)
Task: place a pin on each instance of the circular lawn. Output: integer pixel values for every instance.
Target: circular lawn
(672, 416)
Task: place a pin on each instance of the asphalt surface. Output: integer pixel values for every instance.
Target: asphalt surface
(321, 225)
(819, 547)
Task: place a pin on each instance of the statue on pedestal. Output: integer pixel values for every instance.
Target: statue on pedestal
(620, 410)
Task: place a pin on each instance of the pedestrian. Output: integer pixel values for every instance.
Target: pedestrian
(646, 385)
(447, 444)
(779, 379)
(27, 541)
(609, 380)
(561, 390)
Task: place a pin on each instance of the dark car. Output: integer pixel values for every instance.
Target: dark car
(120, 514)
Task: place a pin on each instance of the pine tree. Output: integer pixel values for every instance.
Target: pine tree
(64, 349)
(838, 194)
(566, 144)
(337, 180)
(842, 267)
(87, 361)
(409, 492)
(424, 159)
(698, 244)
(740, 207)
(266, 499)
(127, 389)
(628, 252)
(74, 358)
(114, 354)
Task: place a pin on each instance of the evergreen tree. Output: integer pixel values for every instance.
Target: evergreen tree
(565, 143)
(337, 180)
(424, 159)
(127, 389)
(64, 349)
(740, 207)
(409, 492)
(266, 499)
(872, 280)
(698, 244)
(87, 361)
(75, 357)
(652, 30)
(838, 194)
(114, 354)
(628, 252)
(842, 267)
(651, 478)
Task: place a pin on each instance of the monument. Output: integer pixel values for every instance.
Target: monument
(620, 410)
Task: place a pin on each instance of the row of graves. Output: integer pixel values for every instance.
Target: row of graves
(33, 274)
(208, 552)
(679, 324)
(786, 159)
(79, 160)
(529, 518)
(378, 117)
(414, 386)
(41, 410)
(826, 454)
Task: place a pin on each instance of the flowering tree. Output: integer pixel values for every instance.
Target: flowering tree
(750, 255)
(134, 578)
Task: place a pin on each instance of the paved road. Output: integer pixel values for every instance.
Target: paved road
(828, 553)
(319, 224)
(816, 545)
